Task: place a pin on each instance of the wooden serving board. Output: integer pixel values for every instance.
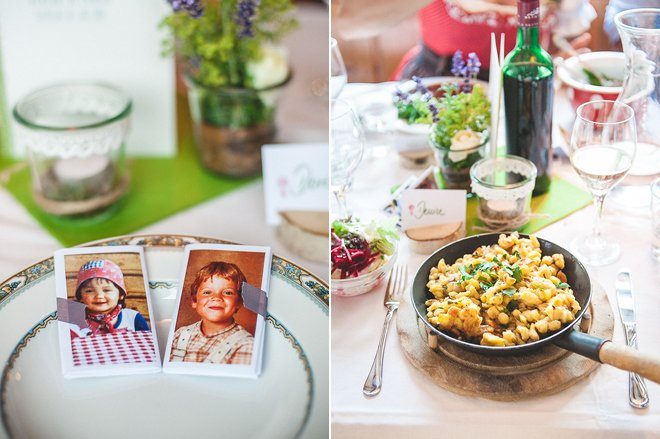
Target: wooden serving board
(543, 372)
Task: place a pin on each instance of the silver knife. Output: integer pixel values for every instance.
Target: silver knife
(637, 394)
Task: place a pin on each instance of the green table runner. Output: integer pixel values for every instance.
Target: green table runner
(560, 201)
(159, 188)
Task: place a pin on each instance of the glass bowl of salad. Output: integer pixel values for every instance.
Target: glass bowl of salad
(361, 255)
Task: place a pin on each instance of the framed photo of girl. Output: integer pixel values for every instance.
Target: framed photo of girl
(104, 313)
(219, 319)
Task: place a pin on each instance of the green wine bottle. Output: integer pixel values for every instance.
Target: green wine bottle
(528, 96)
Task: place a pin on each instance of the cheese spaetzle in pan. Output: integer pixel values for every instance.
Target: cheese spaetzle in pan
(501, 295)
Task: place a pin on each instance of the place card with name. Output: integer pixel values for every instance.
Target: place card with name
(295, 179)
(430, 207)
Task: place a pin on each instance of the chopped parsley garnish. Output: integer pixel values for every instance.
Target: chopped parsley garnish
(483, 276)
(485, 286)
(515, 272)
(464, 272)
(509, 291)
(484, 266)
(563, 285)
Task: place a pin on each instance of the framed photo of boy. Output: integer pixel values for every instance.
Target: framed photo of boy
(219, 319)
(104, 313)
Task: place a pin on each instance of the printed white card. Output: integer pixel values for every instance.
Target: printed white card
(105, 317)
(117, 42)
(218, 324)
(430, 207)
(295, 178)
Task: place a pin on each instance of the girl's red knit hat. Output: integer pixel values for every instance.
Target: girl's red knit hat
(104, 269)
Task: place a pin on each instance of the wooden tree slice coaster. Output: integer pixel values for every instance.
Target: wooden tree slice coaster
(426, 240)
(81, 207)
(316, 223)
(306, 233)
(543, 372)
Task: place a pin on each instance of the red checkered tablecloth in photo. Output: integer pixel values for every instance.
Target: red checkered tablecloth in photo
(121, 347)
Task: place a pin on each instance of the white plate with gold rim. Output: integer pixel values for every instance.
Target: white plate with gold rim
(289, 399)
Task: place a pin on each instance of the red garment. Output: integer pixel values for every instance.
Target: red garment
(102, 323)
(446, 28)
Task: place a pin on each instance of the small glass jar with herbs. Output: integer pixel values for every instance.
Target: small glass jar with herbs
(458, 112)
(234, 69)
(459, 135)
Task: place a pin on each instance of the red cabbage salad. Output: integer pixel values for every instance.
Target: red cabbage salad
(358, 248)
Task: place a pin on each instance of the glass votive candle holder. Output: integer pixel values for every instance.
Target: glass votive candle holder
(503, 186)
(74, 136)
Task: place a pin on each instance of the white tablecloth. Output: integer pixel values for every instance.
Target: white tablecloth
(302, 117)
(410, 405)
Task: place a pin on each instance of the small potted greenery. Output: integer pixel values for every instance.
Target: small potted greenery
(234, 70)
(458, 112)
(460, 130)
(413, 101)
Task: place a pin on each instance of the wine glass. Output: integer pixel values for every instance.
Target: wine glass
(338, 76)
(602, 150)
(346, 148)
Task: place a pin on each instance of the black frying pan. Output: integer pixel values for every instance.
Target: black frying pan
(595, 348)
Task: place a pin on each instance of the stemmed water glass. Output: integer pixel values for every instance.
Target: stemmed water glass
(602, 150)
(338, 76)
(346, 148)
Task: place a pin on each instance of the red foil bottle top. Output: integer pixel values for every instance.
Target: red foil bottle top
(529, 13)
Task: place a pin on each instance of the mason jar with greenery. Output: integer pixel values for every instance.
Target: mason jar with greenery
(234, 71)
(460, 134)
(458, 112)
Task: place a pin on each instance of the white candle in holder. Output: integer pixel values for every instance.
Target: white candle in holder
(503, 205)
(78, 168)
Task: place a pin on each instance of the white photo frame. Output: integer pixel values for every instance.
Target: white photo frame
(71, 370)
(214, 253)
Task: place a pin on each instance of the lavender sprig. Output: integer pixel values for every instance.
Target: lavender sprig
(402, 96)
(418, 105)
(194, 8)
(473, 65)
(422, 89)
(246, 11)
(468, 71)
(457, 64)
(434, 112)
(419, 86)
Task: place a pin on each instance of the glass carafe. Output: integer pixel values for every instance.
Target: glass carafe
(640, 36)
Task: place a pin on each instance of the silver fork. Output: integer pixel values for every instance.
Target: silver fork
(395, 287)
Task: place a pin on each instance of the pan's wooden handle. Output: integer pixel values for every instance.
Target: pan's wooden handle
(626, 358)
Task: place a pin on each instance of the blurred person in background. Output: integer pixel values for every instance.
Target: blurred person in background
(616, 6)
(450, 25)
